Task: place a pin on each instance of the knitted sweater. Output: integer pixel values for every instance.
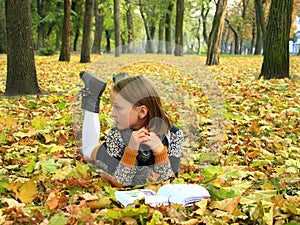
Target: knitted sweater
(131, 168)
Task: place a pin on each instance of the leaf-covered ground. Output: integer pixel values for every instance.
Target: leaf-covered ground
(242, 142)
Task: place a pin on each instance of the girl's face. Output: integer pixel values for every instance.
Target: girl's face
(125, 114)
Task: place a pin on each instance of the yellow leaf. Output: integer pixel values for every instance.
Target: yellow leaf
(27, 192)
(228, 205)
(202, 207)
(103, 202)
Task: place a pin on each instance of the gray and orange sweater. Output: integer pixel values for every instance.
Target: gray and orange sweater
(129, 167)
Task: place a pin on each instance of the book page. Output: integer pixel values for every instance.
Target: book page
(178, 194)
(128, 197)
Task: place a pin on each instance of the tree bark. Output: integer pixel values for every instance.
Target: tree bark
(130, 35)
(204, 14)
(41, 10)
(118, 48)
(236, 37)
(85, 56)
(213, 53)
(77, 9)
(253, 37)
(65, 51)
(276, 46)
(99, 20)
(260, 24)
(3, 43)
(261, 16)
(21, 70)
(179, 28)
(149, 28)
(168, 29)
(107, 37)
(161, 35)
(198, 37)
(226, 41)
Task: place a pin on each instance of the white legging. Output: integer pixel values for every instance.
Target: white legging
(90, 133)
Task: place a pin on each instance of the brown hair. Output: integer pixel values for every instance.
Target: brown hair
(139, 90)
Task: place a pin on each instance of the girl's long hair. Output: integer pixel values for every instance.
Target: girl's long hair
(139, 90)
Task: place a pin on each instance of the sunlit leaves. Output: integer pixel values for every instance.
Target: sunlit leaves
(253, 179)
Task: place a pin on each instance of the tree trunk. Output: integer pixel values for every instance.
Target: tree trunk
(223, 40)
(85, 56)
(198, 37)
(253, 37)
(161, 35)
(168, 29)
(99, 20)
(3, 44)
(276, 46)
(76, 23)
(259, 37)
(130, 34)
(65, 50)
(213, 53)
(76, 37)
(108, 36)
(150, 40)
(226, 41)
(204, 14)
(41, 10)
(117, 28)
(57, 39)
(179, 28)
(21, 70)
(150, 30)
(236, 37)
(261, 16)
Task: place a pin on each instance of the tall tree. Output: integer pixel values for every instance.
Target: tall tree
(41, 10)
(236, 22)
(65, 50)
(108, 34)
(77, 21)
(179, 28)
(213, 53)
(85, 56)
(99, 22)
(130, 35)
(276, 46)
(161, 35)
(260, 26)
(168, 28)
(149, 23)
(205, 9)
(21, 70)
(118, 46)
(2, 28)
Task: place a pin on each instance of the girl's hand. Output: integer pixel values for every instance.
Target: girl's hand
(154, 143)
(138, 137)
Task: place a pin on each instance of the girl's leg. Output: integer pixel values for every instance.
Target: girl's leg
(91, 93)
(90, 133)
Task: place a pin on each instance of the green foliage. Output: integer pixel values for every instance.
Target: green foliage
(47, 50)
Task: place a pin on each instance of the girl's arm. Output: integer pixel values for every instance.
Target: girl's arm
(114, 160)
(167, 162)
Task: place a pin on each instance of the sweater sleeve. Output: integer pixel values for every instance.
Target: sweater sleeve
(116, 159)
(167, 162)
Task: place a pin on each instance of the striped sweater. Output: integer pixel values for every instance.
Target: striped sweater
(130, 168)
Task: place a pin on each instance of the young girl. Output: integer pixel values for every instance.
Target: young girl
(144, 145)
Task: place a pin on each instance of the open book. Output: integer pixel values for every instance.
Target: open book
(184, 194)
